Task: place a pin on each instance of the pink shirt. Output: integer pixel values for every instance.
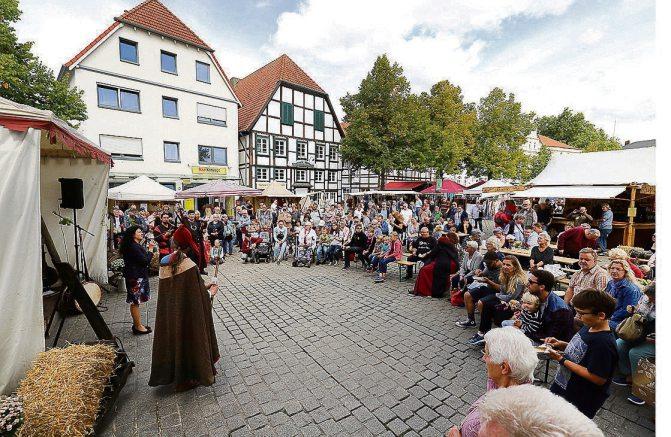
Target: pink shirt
(395, 250)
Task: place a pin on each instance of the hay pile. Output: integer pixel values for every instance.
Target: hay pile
(62, 391)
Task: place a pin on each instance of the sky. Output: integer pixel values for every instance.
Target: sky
(594, 56)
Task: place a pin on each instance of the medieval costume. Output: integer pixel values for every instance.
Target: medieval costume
(185, 344)
(433, 278)
(162, 235)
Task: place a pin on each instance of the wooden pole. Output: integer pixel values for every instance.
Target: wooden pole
(630, 232)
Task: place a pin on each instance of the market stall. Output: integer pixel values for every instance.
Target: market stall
(218, 189)
(625, 179)
(141, 189)
(36, 149)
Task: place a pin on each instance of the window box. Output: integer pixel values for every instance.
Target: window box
(170, 151)
(208, 155)
(128, 51)
(168, 62)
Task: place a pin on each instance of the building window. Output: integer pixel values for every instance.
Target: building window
(209, 114)
(301, 150)
(333, 176)
(128, 51)
(321, 151)
(171, 185)
(170, 107)
(128, 148)
(262, 145)
(280, 147)
(170, 151)
(287, 113)
(301, 175)
(212, 155)
(117, 98)
(319, 175)
(261, 174)
(168, 62)
(202, 72)
(319, 121)
(279, 174)
(333, 152)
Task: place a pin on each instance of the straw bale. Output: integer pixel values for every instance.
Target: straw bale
(63, 389)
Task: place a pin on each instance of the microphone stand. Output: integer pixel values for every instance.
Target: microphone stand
(78, 243)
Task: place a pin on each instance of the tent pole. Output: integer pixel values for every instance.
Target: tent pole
(629, 234)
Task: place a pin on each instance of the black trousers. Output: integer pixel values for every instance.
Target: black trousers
(412, 258)
(490, 313)
(358, 251)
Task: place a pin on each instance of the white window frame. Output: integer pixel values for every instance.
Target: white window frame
(280, 174)
(284, 146)
(319, 175)
(259, 173)
(262, 140)
(333, 152)
(333, 176)
(320, 148)
(304, 145)
(300, 172)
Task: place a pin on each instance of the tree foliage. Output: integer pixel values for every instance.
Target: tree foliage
(502, 128)
(25, 79)
(452, 127)
(573, 129)
(388, 126)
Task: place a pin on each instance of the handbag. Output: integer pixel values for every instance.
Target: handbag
(631, 329)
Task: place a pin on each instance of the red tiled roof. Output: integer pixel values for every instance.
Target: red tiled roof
(92, 43)
(549, 142)
(256, 89)
(150, 15)
(153, 15)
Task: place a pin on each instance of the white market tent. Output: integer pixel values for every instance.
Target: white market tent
(142, 188)
(383, 193)
(36, 149)
(492, 183)
(278, 189)
(595, 175)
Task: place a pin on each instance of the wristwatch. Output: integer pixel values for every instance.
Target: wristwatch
(562, 360)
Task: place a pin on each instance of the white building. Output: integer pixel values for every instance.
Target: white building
(535, 141)
(289, 131)
(157, 100)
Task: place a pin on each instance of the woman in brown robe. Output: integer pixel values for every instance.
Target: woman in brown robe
(185, 345)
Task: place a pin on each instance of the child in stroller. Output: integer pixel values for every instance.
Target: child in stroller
(263, 249)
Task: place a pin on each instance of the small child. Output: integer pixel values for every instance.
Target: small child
(377, 251)
(323, 246)
(528, 319)
(216, 253)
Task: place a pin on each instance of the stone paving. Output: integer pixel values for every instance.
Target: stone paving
(320, 351)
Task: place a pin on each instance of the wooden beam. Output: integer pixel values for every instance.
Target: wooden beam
(629, 233)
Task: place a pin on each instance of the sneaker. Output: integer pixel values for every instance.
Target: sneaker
(476, 340)
(345, 268)
(635, 400)
(379, 279)
(466, 323)
(618, 380)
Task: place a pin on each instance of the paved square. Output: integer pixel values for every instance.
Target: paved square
(320, 351)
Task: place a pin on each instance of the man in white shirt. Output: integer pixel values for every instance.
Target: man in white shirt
(406, 213)
(530, 238)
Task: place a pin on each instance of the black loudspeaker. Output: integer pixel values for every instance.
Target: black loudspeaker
(72, 193)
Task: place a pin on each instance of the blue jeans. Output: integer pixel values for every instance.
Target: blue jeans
(334, 252)
(382, 265)
(322, 253)
(228, 246)
(279, 250)
(630, 355)
(603, 239)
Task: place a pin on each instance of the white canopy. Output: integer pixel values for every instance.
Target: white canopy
(278, 189)
(383, 193)
(616, 167)
(492, 183)
(141, 188)
(573, 192)
(36, 149)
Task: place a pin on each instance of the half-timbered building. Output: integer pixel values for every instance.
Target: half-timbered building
(289, 131)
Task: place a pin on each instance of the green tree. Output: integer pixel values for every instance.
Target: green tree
(388, 126)
(575, 130)
(25, 79)
(452, 128)
(537, 163)
(502, 128)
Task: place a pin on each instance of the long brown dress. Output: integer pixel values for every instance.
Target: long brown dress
(185, 345)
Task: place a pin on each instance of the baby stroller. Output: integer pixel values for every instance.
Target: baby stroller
(302, 256)
(263, 250)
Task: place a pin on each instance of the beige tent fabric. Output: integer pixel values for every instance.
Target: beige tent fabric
(277, 189)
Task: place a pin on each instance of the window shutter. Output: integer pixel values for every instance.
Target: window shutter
(319, 120)
(287, 113)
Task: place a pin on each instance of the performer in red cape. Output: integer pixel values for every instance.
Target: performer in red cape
(434, 278)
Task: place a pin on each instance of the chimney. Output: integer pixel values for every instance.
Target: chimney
(626, 143)
(235, 80)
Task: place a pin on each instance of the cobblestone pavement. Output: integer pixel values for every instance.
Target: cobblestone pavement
(320, 351)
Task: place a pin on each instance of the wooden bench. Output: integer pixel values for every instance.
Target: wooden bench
(403, 267)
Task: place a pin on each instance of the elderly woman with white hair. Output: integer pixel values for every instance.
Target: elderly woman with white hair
(543, 254)
(618, 253)
(531, 411)
(511, 360)
(492, 244)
